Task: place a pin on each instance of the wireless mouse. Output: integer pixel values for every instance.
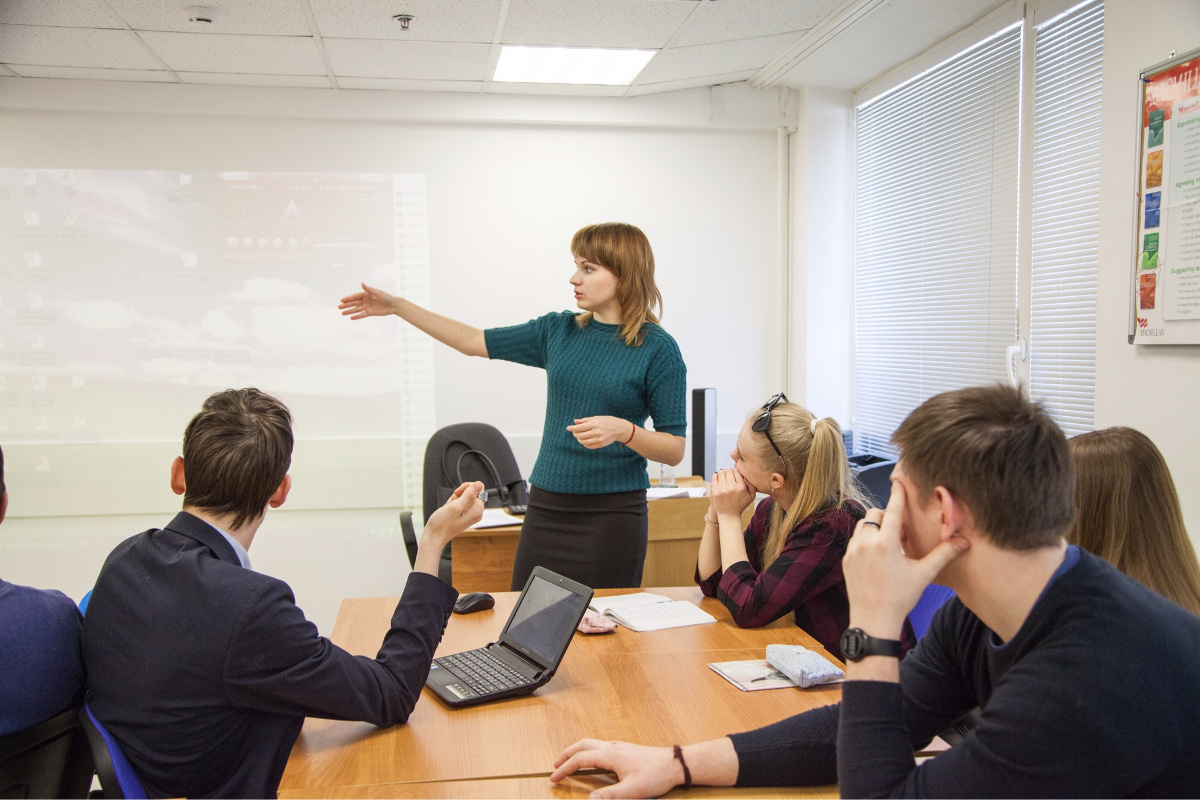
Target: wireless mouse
(474, 601)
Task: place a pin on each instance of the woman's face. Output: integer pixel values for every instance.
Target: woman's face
(595, 287)
(753, 471)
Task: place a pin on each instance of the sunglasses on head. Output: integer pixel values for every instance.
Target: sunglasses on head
(763, 423)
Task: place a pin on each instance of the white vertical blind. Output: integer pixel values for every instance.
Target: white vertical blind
(1066, 215)
(936, 236)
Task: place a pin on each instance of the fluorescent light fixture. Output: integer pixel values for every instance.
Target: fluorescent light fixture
(521, 64)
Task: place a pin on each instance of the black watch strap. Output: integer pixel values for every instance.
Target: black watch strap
(857, 645)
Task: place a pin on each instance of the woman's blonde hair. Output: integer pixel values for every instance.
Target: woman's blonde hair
(625, 251)
(814, 467)
(1129, 514)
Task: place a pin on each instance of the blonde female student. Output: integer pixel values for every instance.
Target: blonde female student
(1127, 512)
(789, 559)
(608, 368)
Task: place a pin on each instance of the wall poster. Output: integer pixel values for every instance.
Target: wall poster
(1166, 270)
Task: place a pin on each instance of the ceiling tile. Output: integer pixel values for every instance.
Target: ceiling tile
(434, 20)
(742, 19)
(374, 58)
(596, 23)
(215, 52)
(699, 60)
(691, 83)
(73, 47)
(270, 17)
(88, 73)
(399, 84)
(66, 13)
(571, 89)
(233, 79)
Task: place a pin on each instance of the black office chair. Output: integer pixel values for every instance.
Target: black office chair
(468, 451)
(874, 475)
(50, 759)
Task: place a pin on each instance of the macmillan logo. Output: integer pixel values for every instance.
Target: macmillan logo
(1144, 328)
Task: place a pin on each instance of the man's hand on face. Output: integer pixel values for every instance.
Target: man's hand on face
(883, 584)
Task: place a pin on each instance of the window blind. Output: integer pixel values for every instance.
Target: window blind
(1066, 215)
(935, 236)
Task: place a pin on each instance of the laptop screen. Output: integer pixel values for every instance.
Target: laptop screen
(544, 621)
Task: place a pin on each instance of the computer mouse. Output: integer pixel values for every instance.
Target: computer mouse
(474, 601)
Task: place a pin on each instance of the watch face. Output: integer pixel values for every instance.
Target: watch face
(852, 644)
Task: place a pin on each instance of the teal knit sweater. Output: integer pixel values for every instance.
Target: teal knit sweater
(590, 372)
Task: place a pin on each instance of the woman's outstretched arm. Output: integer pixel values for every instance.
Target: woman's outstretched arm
(371, 302)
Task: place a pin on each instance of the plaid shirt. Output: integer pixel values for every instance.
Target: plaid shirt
(805, 579)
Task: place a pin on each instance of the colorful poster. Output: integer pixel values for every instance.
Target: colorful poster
(1181, 258)
(1152, 207)
(1155, 136)
(1150, 251)
(1154, 163)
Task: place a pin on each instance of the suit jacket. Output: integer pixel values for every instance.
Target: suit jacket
(41, 671)
(204, 671)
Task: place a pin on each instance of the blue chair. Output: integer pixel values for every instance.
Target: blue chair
(931, 600)
(83, 604)
(117, 778)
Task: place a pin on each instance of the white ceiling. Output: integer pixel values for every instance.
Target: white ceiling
(453, 45)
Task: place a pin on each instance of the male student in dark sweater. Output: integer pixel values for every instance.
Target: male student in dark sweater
(1089, 683)
(204, 670)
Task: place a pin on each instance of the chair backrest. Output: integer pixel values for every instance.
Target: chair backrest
(933, 598)
(50, 759)
(874, 475)
(117, 778)
(471, 451)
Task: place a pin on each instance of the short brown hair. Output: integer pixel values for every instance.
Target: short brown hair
(1001, 454)
(625, 251)
(236, 452)
(1129, 513)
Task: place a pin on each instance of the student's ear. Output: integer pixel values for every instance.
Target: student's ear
(281, 493)
(955, 516)
(178, 484)
(3, 505)
(777, 480)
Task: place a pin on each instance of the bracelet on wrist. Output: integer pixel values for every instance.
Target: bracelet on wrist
(687, 773)
(632, 431)
(712, 522)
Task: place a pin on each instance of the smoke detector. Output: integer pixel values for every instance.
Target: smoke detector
(200, 15)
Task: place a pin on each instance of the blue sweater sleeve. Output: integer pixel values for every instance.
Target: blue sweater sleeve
(522, 344)
(666, 385)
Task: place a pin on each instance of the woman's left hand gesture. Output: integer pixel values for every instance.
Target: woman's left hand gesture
(596, 432)
(730, 494)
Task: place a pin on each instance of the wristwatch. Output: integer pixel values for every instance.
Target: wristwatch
(857, 645)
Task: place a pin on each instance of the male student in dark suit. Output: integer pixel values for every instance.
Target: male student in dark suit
(1087, 681)
(41, 671)
(204, 670)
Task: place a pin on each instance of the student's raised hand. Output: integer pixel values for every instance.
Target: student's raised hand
(370, 302)
(729, 493)
(596, 432)
(882, 581)
(641, 771)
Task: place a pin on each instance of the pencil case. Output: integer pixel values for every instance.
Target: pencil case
(805, 667)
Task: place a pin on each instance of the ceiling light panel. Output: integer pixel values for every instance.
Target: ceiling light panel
(640, 24)
(593, 65)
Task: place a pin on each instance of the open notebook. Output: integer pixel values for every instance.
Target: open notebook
(644, 611)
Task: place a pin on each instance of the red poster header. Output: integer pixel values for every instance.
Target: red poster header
(1170, 86)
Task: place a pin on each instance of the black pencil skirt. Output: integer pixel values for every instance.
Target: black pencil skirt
(598, 540)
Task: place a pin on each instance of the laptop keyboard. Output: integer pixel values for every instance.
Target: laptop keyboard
(483, 672)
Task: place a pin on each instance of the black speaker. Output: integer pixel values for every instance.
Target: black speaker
(704, 432)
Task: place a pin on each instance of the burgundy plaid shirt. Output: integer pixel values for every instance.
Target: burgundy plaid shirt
(806, 578)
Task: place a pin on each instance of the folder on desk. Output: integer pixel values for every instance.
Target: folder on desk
(529, 649)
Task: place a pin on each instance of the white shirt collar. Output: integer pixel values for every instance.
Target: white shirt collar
(243, 556)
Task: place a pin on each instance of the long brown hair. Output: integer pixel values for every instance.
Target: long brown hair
(814, 467)
(1129, 513)
(625, 251)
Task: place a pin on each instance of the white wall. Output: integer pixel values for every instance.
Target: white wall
(1153, 389)
(509, 181)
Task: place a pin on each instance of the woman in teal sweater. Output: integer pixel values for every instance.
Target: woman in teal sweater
(608, 369)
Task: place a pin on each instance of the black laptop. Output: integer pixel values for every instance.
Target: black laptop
(529, 649)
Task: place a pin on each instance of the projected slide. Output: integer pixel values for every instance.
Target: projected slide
(127, 297)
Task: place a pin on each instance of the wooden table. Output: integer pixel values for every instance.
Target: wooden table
(483, 559)
(649, 688)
